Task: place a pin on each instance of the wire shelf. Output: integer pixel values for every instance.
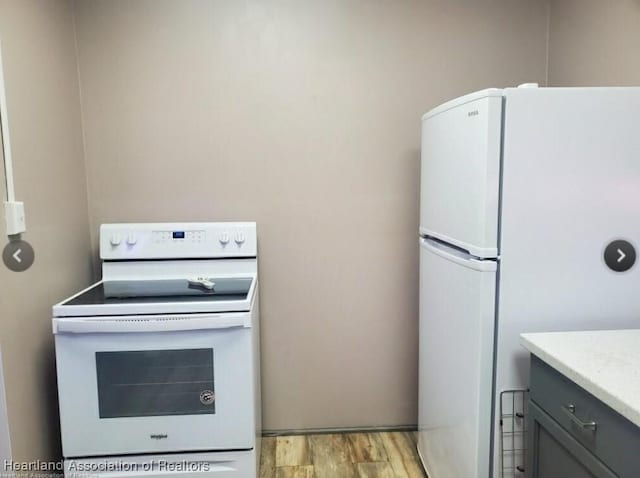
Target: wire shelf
(513, 432)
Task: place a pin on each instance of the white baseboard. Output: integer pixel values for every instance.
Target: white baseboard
(318, 431)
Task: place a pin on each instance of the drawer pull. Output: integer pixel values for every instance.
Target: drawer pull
(571, 411)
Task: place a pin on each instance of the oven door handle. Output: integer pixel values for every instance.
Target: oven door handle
(148, 324)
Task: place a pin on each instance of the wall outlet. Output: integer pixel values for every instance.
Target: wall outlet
(14, 217)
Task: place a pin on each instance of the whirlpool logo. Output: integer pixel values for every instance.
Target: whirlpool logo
(159, 436)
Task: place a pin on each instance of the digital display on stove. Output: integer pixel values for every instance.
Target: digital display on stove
(178, 234)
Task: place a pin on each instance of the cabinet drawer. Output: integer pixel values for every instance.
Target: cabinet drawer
(556, 454)
(597, 427)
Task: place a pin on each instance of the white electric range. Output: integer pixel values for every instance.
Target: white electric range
(158, 364)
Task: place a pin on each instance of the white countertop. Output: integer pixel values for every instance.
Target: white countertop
(605, 363)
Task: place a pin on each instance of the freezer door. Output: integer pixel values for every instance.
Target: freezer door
(457, 297)
(460, 173)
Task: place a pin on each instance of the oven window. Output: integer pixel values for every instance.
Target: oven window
(155, 382)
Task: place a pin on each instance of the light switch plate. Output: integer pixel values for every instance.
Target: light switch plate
(14, 217)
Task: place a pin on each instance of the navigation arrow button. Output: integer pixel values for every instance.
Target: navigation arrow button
(18, 256)
(620, 255)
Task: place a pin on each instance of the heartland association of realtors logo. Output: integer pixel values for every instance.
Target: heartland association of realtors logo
(94, 468)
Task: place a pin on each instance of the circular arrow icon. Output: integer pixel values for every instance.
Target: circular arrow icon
(620, 255)
(18, 256)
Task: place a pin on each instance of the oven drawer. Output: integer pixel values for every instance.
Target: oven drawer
(236, 464)
(601, 430)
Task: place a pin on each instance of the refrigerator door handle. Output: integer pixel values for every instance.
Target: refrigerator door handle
(458, 257)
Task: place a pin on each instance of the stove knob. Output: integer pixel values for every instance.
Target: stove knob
(132, 239)
(115, 240)
(224, 238)
(239, 237)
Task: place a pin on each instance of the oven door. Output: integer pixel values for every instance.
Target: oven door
(150, 384)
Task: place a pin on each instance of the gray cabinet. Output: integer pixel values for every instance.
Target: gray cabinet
(557, 454)
(571, 434)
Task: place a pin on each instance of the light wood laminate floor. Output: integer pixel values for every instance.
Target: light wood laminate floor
(350, 455)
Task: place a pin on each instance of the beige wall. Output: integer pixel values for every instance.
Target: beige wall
(44, 109)
(305, 117)
(594, 43)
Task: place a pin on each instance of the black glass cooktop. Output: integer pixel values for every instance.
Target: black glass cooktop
(164, 291)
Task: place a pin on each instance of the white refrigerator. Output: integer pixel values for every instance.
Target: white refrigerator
(529, 221)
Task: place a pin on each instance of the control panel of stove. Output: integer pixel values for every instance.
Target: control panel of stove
(178, 240)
